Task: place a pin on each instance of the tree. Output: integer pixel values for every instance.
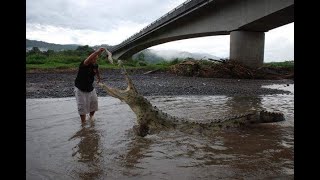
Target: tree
(35, 50)
(49, 52)
(84, 50)
(141, 57)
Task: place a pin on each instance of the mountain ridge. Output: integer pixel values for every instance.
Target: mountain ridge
(149, 55)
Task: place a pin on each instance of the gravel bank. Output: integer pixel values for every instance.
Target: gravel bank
(61, 84)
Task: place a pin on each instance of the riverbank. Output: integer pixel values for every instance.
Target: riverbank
(60, 83)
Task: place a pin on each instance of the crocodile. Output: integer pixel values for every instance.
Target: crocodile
(152, 120)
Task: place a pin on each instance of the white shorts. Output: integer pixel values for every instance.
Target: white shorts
(86, 101)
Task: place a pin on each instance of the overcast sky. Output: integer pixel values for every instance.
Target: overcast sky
(95, 22)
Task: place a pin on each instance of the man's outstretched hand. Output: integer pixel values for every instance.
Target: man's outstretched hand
(101, 49)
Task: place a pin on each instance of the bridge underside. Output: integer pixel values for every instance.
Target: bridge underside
(245, 21)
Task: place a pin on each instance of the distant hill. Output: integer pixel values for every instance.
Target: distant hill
(102, 45)
(150, 55)
(44, 46)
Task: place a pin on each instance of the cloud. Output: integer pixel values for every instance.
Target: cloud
(279, 44)
(62, 35)
(91, 22)
(215, 45)
(94, 22)
(96, 15)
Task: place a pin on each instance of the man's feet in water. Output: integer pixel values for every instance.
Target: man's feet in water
(91, 118)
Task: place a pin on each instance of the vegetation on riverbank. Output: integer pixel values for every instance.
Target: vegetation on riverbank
(69, 60)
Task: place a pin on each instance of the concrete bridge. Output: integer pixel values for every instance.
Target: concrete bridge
(246, 21)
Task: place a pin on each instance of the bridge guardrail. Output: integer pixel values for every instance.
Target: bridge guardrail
(183, 7)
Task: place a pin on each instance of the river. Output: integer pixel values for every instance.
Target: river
(59, 147)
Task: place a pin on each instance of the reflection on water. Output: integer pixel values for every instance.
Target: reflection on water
(88, 151)
(240, 104)
(59, 147)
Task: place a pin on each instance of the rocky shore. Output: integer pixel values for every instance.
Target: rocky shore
(61, 84)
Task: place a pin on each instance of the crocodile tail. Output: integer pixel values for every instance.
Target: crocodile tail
(269, 117)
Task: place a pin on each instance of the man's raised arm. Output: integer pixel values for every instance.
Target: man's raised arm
(93, 55)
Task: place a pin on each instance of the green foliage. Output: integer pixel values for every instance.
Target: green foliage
(35, 50)
(175, 61)
(141, 57)
(36, 59)
(84, 50)
(71, 59)
(131, 63)
(285, 64)
(65, 59)
(141, 63)
(52, 58)
(49, 52)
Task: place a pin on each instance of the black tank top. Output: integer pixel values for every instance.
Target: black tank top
(85, 77)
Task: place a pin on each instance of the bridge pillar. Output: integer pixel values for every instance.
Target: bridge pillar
(247, 47)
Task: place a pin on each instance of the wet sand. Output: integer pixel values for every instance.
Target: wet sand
(61, 84)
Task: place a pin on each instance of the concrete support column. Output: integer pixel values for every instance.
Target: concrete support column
(247, 47)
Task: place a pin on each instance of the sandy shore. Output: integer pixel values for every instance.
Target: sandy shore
(61, 84)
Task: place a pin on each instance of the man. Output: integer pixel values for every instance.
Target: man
(85, 93)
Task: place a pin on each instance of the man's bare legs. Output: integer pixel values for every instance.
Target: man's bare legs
(91, 115)
(83, 118)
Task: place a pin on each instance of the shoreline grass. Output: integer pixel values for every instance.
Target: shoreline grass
(104, 66)
(69, 60)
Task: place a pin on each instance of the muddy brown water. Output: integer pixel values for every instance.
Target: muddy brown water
(59, 147)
